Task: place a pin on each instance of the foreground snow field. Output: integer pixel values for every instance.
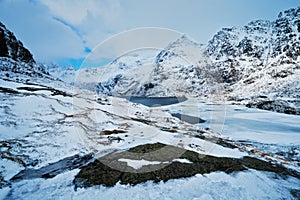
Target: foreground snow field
(218, 185)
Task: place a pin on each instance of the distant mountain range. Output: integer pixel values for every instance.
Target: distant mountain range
(257, 64)
(258, 59)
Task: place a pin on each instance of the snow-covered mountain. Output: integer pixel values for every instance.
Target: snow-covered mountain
(256, 59)
(260, 50)
(180, 69)
(261, 59)
(239, 64)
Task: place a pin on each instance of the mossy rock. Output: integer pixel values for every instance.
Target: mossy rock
(108, 170)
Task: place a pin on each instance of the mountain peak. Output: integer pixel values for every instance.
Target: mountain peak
(293, 12)
(184, 40)
(11, 47)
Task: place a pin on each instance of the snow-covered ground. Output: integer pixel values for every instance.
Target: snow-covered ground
(275, 135)
(218, 185)
(76, 125)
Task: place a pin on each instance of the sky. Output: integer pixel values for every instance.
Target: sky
(65, 32)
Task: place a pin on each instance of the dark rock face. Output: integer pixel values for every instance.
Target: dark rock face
(12, 48)
(16, 62)
(277, 106)
(109, 170)
(53, 169)
(107, 86)
(22, 72)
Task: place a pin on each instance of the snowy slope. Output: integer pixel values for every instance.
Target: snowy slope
(66, 74)
(42, 125)
(47, 125)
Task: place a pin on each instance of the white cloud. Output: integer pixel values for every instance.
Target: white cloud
(46, 38)
(76, 12)
(93, 19)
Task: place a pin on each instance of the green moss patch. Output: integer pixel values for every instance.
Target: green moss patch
(108, 170)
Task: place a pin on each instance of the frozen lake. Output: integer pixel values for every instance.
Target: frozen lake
(241, 123)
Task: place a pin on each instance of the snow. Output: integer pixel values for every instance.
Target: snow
(9, 168)
(266, 132)
(4, 192)
(216, 185)
(182, 160)
(64, 140)
(137, 164)
(262, 126)
(241, 123)
(69, 126)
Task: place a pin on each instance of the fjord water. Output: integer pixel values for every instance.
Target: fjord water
(155, 101)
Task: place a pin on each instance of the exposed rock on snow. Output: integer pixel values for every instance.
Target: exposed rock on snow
(282, 106)
(161, 165)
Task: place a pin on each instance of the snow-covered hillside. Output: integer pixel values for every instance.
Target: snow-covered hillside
(48, 134)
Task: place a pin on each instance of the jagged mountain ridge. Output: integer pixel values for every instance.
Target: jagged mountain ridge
(258, 59)
(183, 60)
(258, 44)
(238, 64)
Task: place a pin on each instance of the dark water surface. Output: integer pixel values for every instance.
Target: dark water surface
(155, 101)
(188, 118)
(163, 101)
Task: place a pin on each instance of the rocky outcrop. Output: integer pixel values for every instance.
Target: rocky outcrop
(12, 48)
(171, 163)
(16, 62)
